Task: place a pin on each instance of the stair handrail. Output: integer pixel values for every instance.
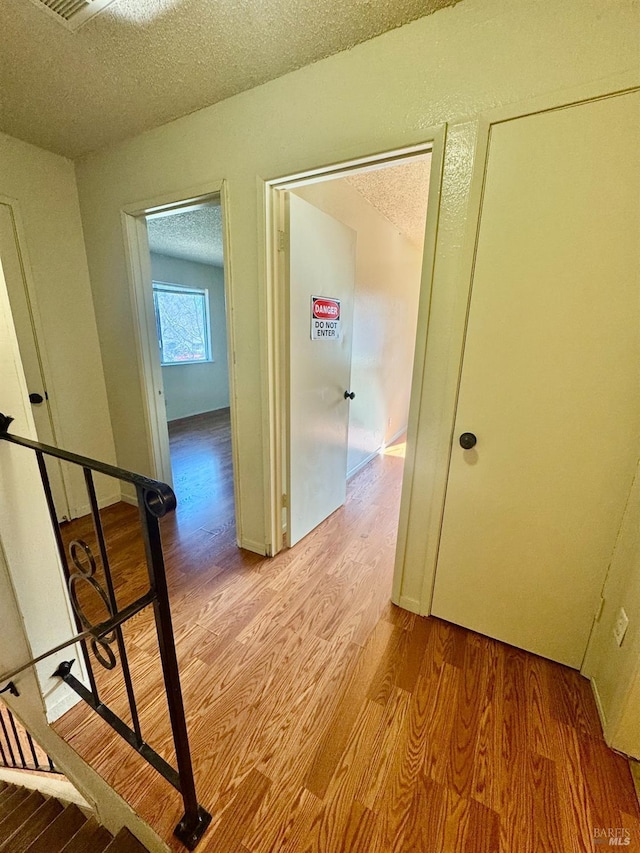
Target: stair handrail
(161, 497)
(96, 631)
(155, 500)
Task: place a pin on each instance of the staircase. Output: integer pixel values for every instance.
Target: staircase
(31, 822)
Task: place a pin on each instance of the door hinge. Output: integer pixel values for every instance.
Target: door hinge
(599, 609)
(282, 237)
(285, 502)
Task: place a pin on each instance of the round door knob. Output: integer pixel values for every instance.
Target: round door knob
(36, 399)
(349, 395)
(468, 440)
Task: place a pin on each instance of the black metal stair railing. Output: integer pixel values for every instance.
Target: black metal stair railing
(155, 500)
(18, 750)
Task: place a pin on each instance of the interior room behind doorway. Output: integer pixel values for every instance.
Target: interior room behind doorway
(187, 269)
(386, 207)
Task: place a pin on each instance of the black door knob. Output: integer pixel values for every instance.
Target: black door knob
(349, 395)
(468, 440)
(36, 399)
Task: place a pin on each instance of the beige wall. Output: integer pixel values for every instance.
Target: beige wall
(451, 67)
(190, 389)
(385, 310)
(615, 670)
(43, 187)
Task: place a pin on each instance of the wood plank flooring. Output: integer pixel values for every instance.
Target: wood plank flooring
(322, 718)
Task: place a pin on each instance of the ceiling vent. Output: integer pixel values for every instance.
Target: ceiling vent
(73, 13)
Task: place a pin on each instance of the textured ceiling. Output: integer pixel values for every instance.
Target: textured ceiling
(400, 193)
(141, 63)
(195, 235)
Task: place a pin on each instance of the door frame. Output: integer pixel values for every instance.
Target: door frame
(38, 337)
(134, 226)
(276, 299)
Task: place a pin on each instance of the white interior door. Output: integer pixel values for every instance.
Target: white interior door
(14, 274)
(321, 264)
(549, 383)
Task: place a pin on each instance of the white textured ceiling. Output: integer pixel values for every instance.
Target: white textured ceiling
(400, 193)
(141, 63)
(195, 235)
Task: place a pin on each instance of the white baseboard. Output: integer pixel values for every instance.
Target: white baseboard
(395, 437)
(127, 499)
(596, 696)
(600, 707)
(63, 702)
(251, 545)
(376, 452)
(364, 462)
(85, 509)
(198, 412)
(410, 604)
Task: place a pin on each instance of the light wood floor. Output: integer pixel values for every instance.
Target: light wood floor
(325, 720)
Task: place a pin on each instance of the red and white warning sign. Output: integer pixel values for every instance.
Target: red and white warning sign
(325, 318)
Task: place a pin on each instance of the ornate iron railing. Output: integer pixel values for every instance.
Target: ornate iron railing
(79, 564)
(18, 750)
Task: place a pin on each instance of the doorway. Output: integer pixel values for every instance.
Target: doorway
(25, 319)
(187, 271)
(180, 289)
(351, 245)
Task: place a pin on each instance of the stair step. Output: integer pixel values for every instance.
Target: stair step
(58, 833)
(31, 828)
(125, 842)
(90, 837)
(9, 804)
(6, 792)
(30, 822)
(22, 812)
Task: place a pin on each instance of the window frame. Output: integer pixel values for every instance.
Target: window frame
(172, 287)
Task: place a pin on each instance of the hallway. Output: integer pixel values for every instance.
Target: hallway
(323, 719)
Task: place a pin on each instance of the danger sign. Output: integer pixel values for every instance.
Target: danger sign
(325, 318)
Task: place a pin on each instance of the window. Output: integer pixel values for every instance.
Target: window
(182, 321)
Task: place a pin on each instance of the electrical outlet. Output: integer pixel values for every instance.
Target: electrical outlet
(620, 628)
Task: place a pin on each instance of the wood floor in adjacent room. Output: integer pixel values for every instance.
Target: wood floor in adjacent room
(322, 718)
